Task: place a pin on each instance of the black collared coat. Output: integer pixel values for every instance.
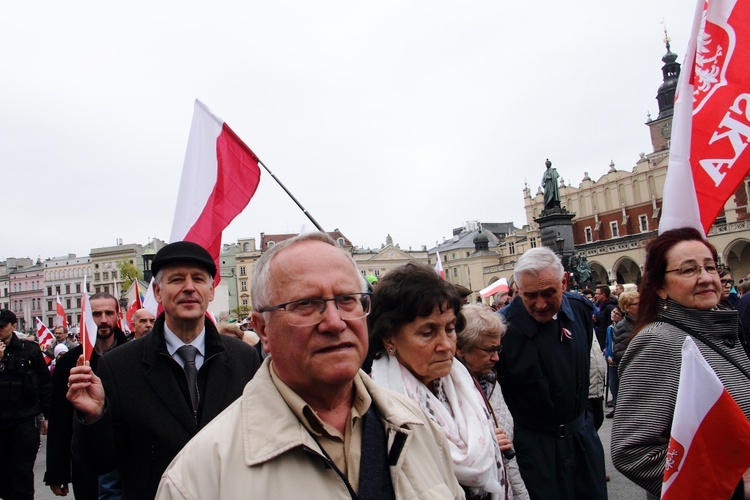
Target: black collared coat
(544, 375)
(148, 417)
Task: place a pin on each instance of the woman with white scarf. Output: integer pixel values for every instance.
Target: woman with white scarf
(413, 326)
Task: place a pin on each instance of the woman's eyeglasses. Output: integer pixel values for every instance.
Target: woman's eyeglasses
(491, 350)
(693, 270)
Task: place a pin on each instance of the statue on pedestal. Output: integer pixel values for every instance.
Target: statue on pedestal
(551, 188)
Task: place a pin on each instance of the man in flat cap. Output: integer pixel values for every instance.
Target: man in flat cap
(155, 393)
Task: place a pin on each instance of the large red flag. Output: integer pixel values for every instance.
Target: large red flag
(709, 446)
(88, 326)
(711, 123)
(61, 318)
(219, 177)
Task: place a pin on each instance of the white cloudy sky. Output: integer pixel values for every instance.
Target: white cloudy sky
(400, 117)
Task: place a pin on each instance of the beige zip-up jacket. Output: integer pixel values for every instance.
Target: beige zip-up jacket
(257, 448)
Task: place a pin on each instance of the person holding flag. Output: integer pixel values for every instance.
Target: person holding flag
(679, 293)
(64, 467)
(150, 396)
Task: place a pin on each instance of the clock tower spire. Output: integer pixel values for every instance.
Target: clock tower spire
(661, 127)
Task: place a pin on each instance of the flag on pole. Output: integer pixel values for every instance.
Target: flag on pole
(43, 334)
(711, 123)
(137, 304)
(709, 446)
(88, 326)
(439, 266)
(219, 177)
(61, 319)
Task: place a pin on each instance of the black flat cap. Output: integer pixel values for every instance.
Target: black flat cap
(183, 252)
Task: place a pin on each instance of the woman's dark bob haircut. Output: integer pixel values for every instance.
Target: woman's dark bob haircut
(405, 293)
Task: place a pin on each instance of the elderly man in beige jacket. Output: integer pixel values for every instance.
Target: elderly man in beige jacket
(311, 424)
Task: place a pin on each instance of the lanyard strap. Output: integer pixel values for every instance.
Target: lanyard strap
(707, 342)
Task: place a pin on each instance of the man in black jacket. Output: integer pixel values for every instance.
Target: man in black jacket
(63, 466)
(157, 392)
(544, 374)
(605, 302)
(24, 393)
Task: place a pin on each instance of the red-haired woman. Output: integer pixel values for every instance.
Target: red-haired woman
(679, 295)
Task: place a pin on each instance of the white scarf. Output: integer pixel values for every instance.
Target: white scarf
(476, 456)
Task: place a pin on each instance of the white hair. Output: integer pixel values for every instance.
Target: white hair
(260, 290)
(535, 261)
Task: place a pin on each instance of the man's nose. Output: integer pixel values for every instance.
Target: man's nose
(332, 320)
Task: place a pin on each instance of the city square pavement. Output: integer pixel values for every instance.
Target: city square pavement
(619, 487)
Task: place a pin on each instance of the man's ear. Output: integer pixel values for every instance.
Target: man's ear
(258, 323)
(157, 292)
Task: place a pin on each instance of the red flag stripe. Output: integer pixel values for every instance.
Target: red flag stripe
(717, 456)
(237, 180)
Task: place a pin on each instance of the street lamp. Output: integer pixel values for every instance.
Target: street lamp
(560, 244)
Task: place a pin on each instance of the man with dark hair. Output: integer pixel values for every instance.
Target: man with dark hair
(605, 302)
(63, 466)
(150, 396)
(24, 394)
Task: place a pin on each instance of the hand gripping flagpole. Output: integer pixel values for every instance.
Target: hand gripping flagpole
(304, 210)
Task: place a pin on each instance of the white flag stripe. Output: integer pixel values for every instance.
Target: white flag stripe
(680, 201)
(698, 392)
(199, 171)
(88, 317)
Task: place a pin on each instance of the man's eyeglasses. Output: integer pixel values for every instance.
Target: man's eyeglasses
(491, 350)
(693, 270)
(727, 282)
(309, 312)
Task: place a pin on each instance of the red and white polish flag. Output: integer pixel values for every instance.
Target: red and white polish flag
(711, 123)
(43, 334)
(61, 319)
(219, 177)
(439, 266)
(88, 326)
(709, 446)
(500, 285)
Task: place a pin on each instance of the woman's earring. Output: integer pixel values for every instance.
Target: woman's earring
(665, 306)
(392, 351)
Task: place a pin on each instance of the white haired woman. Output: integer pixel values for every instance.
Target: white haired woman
(478, 347)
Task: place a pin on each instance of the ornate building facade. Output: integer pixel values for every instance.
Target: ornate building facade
(619, 212)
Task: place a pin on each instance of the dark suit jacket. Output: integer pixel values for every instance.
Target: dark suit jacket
(148, 417)
(545, 382)
(60, 431)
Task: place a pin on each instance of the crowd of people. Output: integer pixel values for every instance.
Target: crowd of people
(345, 386)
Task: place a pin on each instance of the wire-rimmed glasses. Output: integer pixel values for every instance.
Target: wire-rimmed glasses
(309, 312)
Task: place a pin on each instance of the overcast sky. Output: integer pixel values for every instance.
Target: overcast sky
(406, 118)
